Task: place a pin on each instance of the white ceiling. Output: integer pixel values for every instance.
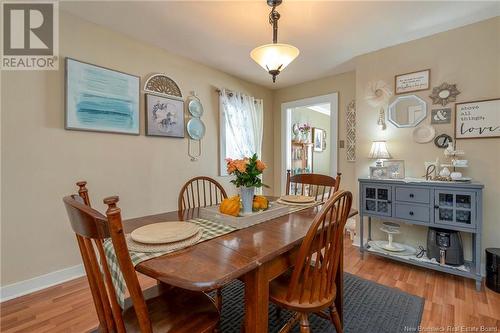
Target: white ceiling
(321, 108)
(329, 34)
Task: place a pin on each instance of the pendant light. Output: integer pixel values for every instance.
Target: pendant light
(274, 57)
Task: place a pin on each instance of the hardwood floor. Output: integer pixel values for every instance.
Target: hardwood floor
(449, 301)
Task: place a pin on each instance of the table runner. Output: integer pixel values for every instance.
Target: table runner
(211, 229)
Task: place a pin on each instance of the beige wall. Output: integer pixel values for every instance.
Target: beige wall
(344, 84)
(469, 57)
(41, 161)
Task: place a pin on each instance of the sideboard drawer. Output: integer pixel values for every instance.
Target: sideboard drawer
(412, 212)
(413, 194)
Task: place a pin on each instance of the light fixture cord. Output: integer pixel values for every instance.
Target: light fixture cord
(274, 16)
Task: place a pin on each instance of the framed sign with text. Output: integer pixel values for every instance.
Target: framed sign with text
(414, 81)
(477, 119)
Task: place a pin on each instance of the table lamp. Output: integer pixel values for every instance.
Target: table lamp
(379, 152)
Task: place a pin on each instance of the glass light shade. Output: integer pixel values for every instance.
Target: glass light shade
(379, 150)
(272, 56)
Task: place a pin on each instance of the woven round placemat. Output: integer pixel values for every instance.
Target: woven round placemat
(296, 204)
(167, 247)
(302, 199)
(164, 232)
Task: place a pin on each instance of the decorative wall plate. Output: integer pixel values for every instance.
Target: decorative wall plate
(196, 129)
(195, 108)
(424, 134)
(162, 85)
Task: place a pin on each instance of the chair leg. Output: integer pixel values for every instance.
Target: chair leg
(218, 305)
(304, 323)
(218, 299)
(278, 312)
(335, 318)
(290, 323)
(322, 315)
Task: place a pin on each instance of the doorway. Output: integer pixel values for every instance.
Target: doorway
(309, 136)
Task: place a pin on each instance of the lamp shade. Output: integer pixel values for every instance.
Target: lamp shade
(379, 150)
(274, 57)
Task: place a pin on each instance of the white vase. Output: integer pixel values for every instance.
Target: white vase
(247, 194)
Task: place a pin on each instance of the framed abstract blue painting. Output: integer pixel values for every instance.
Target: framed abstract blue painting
(101, 99)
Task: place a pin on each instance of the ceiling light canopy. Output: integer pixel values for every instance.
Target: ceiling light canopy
(276, 56)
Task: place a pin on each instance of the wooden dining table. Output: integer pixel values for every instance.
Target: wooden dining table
(255, 255)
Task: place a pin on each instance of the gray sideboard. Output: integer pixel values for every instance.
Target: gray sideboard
(447, 205)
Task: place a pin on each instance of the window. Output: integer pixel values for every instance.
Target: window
(241, 126)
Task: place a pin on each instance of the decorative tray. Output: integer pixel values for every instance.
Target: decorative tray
(275, 210)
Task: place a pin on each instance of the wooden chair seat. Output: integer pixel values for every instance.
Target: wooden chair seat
(278, 291)
(176, 310)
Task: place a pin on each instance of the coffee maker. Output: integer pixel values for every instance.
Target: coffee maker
(445, 246)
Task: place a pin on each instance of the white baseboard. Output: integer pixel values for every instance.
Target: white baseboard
(40, 282)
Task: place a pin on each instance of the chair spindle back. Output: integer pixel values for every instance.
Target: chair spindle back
(321, 187)
(201, 192)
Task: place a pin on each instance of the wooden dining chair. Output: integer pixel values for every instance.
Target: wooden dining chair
(171, 310)
(310, 287)
(201, 191)
(321, 187)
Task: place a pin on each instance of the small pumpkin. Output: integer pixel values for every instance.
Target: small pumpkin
(230, 206)
(260, 202)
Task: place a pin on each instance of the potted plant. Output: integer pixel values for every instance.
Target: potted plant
(247, 172)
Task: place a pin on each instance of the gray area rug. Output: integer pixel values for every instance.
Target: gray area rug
(369, 308)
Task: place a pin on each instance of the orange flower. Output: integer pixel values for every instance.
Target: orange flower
(260, 165)
(241, 165)
(231, 168)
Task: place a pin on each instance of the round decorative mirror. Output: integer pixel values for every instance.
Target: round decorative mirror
(444, 94)
(407, 111)
(442, 140)
(196, 128)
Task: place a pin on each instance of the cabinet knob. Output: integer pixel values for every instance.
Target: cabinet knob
(411, 213)
(436, 207)
(411, 195)
(389, 201)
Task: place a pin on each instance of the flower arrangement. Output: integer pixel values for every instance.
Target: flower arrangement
(247, 171)
(305, 128)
